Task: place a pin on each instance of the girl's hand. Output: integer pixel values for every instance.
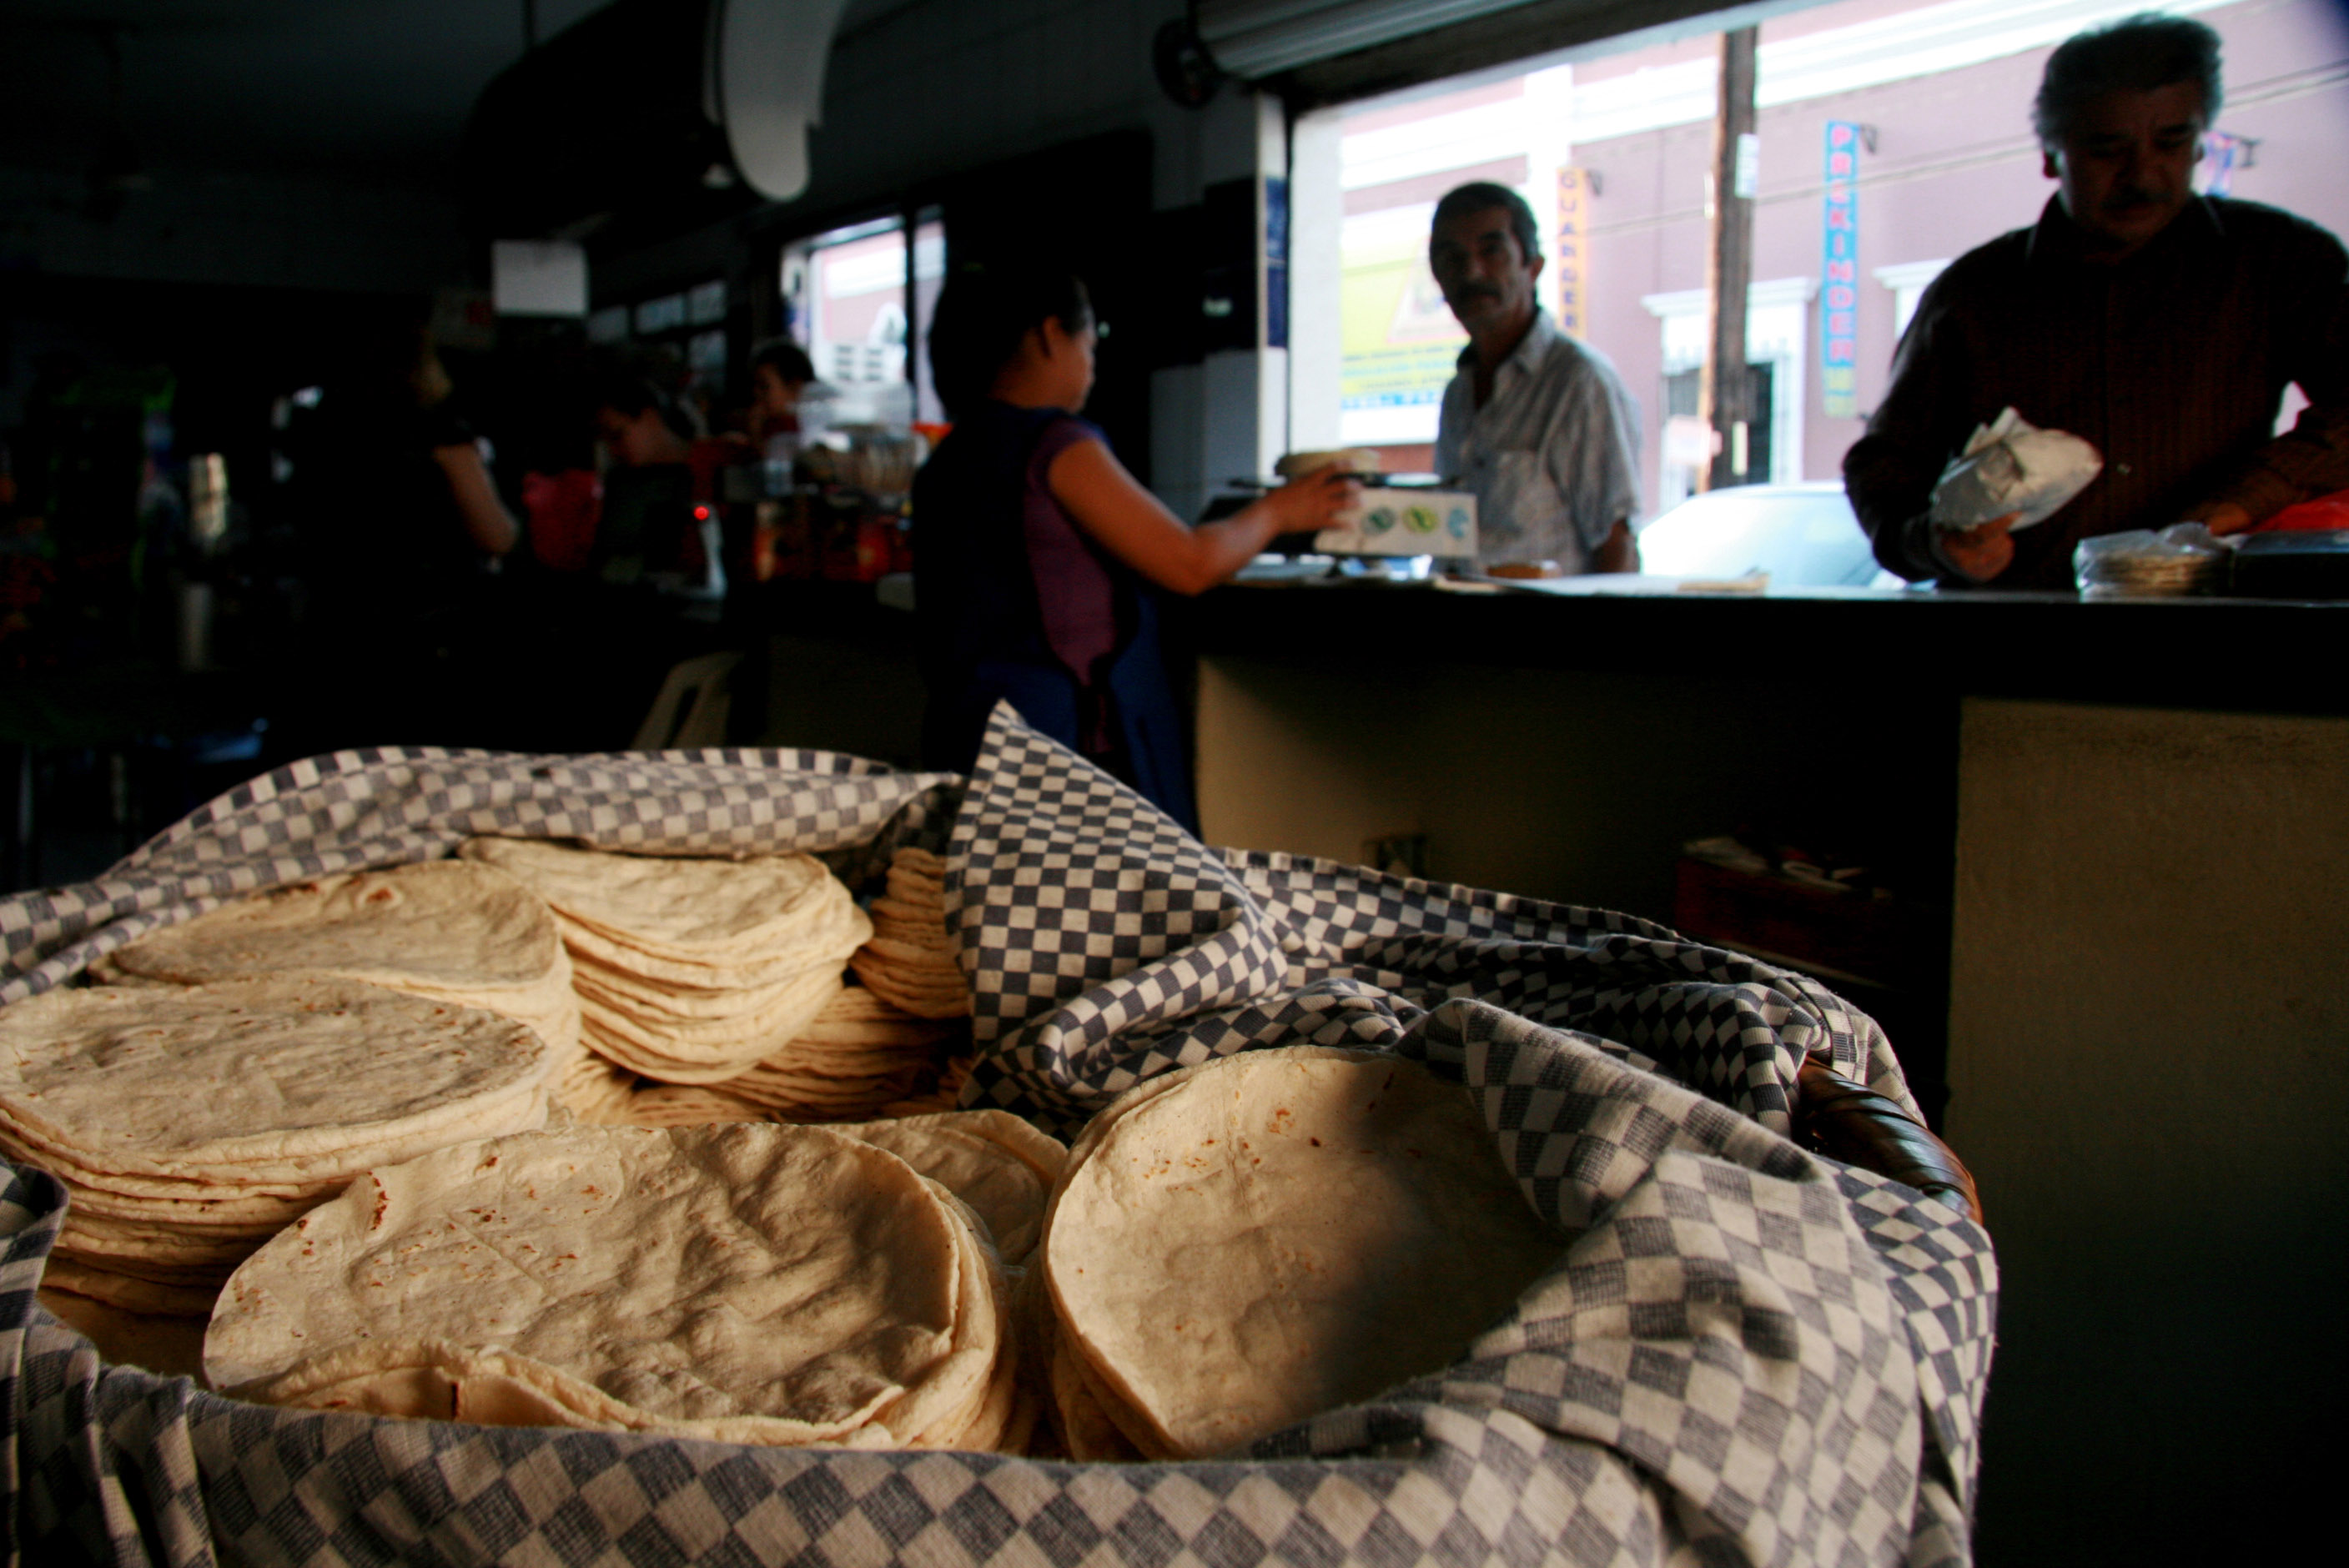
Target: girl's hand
(1311, 503)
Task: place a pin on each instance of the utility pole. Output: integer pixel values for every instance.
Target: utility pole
(1725, 391)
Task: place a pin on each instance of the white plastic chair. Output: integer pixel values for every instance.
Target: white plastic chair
(691, 710)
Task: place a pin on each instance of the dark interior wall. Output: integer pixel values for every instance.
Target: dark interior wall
(1020, 203)
(230, 350)
(1040, 122)
(237, 228)
(243, 143)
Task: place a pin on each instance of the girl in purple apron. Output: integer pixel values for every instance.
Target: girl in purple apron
(1039, 560)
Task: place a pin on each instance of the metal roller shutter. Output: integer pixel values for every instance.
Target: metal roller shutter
(1257, 38)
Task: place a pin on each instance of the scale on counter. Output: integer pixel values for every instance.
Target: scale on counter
(1399, 531)
(1406, 519)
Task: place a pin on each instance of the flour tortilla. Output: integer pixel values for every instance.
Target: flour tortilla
(1239, 1246)
(451, 931)
(810, 1099)
(134, 1232)
(662, 999)
(125, 1293)
(304, 1178)
(688, 971)
(289, 1079)
(743, 1039)
(923, 957)
(658, 1280)
(593, 1090)
(924, 994)
(910, 915)
(681, 1105)
(995, 1162)
(672, 907)
(452, 925)
(861, 1055)
(98, 1238)
(1087, 1427)
(780, 963)
(186, 1204)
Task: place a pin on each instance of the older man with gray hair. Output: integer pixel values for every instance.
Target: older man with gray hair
(2160, 326)
(1536, 424)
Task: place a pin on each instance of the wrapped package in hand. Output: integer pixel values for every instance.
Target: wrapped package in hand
(2011, 466)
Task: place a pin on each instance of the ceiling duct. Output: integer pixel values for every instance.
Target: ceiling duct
(770, 74)
(649, 109)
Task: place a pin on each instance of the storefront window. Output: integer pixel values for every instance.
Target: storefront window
(1613, 151)
(848, 296)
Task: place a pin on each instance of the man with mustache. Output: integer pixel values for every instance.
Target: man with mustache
(1536, 424)
(2159, 326)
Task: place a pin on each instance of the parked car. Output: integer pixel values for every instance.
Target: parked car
(1802, 535)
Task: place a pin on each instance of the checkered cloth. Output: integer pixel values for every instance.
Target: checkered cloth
(1105, 945)
(1746, 1353)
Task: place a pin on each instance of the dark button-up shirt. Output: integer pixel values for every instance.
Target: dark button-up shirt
(2171, 363)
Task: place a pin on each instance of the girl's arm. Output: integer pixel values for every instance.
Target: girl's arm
(1134, 525)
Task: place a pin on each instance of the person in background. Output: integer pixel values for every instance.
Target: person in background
(1536, 424)
(2159, 326)
(781, 373)
(649, 534)
(1039, 560)
(400, 527)
(638, 425)
(402, 508)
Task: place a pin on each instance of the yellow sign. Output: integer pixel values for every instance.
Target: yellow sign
(1573, 246)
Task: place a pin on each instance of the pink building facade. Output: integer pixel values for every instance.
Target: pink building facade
(1946, 162)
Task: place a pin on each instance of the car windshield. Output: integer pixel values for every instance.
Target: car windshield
(1804, 537)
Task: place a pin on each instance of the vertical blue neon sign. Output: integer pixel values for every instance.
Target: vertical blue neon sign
(1839, 279)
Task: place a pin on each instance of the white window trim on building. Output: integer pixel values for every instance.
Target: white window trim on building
(1778, 332)
(1907, 280)
(1923, 42)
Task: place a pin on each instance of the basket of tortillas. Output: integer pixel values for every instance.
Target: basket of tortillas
(752, 1157)
(547, 1135)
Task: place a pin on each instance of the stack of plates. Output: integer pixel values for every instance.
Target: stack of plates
(690, 971)
(760, 1284)
(861, 1056)
(450, 931)
(192, 1123)
(910, 961)
(1239, 1246)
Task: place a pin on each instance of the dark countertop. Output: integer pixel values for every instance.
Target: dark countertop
(2237, 655)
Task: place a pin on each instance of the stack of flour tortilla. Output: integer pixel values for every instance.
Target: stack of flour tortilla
(1238, 1246)
(191, 1123)
(995, 1162)
(910, 959)
(684, 1105)
(858, 1056)
(728, 976)
(673, 1281)
(450, 931)
(690, 971)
